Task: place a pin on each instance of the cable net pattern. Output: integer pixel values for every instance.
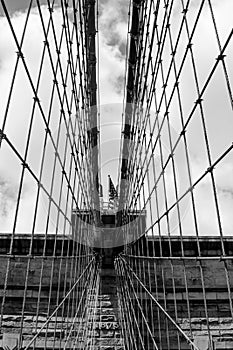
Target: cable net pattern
(175, 176)
(46, 161)
(176, 155)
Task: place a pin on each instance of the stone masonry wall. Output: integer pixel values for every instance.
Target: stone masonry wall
(104, 324)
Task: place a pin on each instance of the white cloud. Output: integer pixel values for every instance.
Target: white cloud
(112, 40)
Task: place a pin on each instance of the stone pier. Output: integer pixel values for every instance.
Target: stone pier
(104, 324)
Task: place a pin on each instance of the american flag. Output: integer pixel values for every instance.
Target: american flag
(112, 194)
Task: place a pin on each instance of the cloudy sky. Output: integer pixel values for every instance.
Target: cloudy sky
(113, 17)
(112, 43)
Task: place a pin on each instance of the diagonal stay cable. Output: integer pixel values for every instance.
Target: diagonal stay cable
(158, 304)
(61, 303)
(86, 284)
(3, 136)
(219, 58)
(128, 306)
(142, 313)
(33, 90)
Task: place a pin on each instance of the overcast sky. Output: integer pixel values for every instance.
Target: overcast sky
(112, 42)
